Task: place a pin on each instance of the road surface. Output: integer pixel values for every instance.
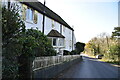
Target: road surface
(90, 68)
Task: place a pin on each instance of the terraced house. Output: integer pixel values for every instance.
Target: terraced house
(37, 15)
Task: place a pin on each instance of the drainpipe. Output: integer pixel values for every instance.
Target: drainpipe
(43, 18)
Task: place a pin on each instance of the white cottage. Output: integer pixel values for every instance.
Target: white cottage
(37, 15)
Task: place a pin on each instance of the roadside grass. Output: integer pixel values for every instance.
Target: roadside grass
(107, 60)
(91, 56)
(113, 62)
(110, 61)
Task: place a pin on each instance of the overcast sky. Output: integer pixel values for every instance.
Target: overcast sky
(89, 17)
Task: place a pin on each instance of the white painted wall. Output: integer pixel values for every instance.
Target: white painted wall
(31, 24)
(68, 38)
(48, 27)
(74, 41)
(57, 26)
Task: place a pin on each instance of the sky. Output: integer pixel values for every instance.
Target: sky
(89, 18)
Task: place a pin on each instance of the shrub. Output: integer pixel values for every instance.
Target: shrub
(73, 52)
(42, 44)
(65, 52)
(17, 41)
(12, 26)
(79, 47)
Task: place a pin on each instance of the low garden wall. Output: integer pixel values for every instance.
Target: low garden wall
(49, 67)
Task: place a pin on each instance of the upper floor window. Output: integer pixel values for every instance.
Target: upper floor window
(29, 14)
(24, 9)
(53, 24)
(35, 17)
(63, 28)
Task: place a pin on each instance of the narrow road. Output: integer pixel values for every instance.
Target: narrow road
(90, 68)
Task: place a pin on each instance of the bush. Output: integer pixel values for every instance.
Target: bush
(43, 44)
(65, 52)
(17, 41)
(79, 47)
(12, 26)
(73, 52)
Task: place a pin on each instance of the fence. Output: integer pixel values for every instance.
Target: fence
(42, 62)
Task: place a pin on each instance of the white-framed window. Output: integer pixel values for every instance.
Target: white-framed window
(57, 41)
(61, 41)
(35, 17)
(53, 23)
(54, 42)
(29, 14)
(63, 28)
(24, 9)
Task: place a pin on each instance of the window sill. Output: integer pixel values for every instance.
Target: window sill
(58, 46)
(55, 46)
(29, 21)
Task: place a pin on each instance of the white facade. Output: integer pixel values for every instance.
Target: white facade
(66, 43)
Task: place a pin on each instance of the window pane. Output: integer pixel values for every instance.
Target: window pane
(24, 12)
(53, 24)
(61, 42)
(54, 42)
(31, 14)
(27, 15)
(35, 17)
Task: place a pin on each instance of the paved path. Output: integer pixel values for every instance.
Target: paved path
(90, 68)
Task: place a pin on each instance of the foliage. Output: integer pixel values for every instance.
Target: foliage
(116, 32)
(114, 62)
(79, 47)
(73, 52)
(41, 44)
(104, 44)
(18, 41)
(12, 26)
(65, 52)
(99, 44)
(11, 18)
(35, 44)
(114, 52)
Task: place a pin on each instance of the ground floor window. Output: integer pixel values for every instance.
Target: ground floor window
(57, 41)
(61, 41)
(54, 42)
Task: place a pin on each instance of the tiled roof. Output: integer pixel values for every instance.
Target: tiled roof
(55, 33)
(45, 10)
